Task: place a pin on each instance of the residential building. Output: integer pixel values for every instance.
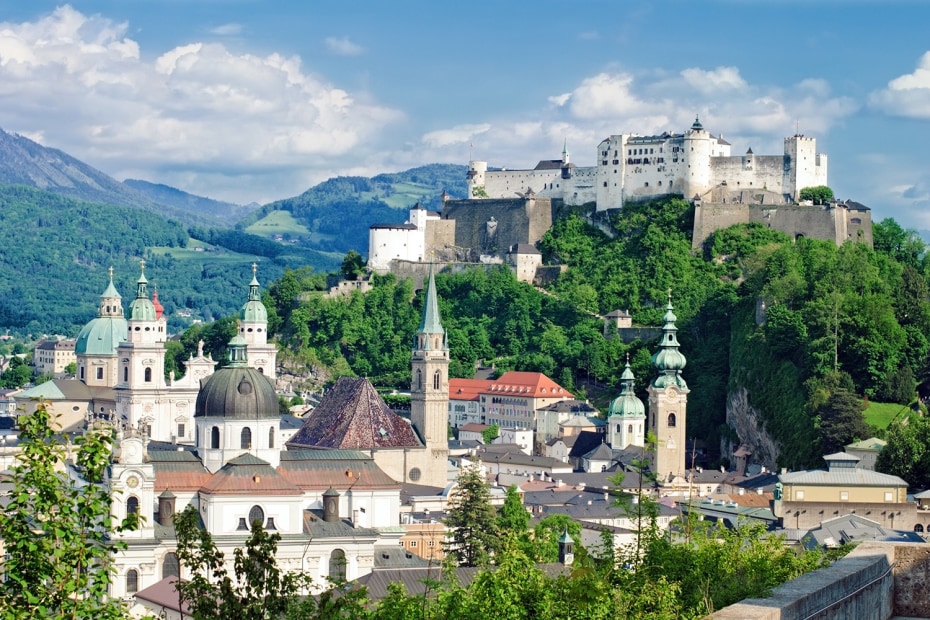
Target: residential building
(51, 357)
(867, 450)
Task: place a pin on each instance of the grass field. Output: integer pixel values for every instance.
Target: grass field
(212, 254)
(278, 223)
(880, 415)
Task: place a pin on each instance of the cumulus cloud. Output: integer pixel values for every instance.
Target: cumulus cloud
(342, 46)
(907, 95)
(714, 81)
(454, 135)
(199, 107)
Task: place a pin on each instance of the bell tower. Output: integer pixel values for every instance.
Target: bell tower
(429, 390)
(668, 401)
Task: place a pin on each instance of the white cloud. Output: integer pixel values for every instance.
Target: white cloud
(342, 46)
(201, 108)
(907, 95)
(227, 30)
(454, 135)
(715, 81)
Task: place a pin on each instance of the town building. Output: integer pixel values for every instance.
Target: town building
(52, 357)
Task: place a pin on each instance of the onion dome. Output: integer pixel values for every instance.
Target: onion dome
(627, 404)
(254, 310)
(668, 360)
(141, 308)
(237, 391)
(102, 335)
(159, 309)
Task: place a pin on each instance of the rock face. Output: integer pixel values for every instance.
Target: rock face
(749, 427)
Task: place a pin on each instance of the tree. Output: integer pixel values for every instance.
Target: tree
(512, 516)
(471, 519)
(907, 453)
(491, 433)
(818, 194)
(841, 421)
(57, 531)
(353, 265)
(71, 368)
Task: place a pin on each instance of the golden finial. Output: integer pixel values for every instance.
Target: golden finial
(142, 265)
(111, 272)
(254, 269)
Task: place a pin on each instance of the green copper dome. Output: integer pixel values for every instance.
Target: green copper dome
(102, 335)
(142, 308)
(627, 404)
(254, 310)
(237, 391)
(668, 360)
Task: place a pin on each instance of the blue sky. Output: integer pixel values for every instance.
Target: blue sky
(258, 100)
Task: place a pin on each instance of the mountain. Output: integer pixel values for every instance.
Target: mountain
(222, 213)
(24, 162)
(335, 215)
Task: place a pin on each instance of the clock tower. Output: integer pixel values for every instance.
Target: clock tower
(132, 481)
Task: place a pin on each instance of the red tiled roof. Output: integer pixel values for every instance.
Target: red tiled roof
(352, 416)
(474, 427)
(248, 475)
(533, 384)
(339, 469)
(468, 389)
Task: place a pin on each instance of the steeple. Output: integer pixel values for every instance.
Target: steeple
(236, 352)
(627, 414)
(253, 329)
(141, 308)
(254, 311)
(431, 335)
(668, 360)
(110, 300)
(565, 151)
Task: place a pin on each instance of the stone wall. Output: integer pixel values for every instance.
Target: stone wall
(874, 582)
(491, 226)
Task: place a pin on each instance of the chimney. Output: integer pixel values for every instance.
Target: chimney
(331, 505)
(166, 502)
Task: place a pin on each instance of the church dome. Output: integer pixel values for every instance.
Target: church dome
(101, 336)
(237, 391)
(627, 404)
(254, 310)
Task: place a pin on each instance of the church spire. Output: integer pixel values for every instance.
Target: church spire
(430, 325)
(253, 285)
(668, 360)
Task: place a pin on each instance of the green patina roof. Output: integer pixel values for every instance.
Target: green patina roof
(142, 308)
(430, 323)
(668, 360)
(101, 336)
(627, 404)
(254, 310)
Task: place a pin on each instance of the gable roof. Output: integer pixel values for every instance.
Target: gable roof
(467, 389)
(338, 469)
(353, 416)
(532, 384)
(249, 475)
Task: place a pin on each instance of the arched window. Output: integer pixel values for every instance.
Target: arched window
(148, 375)
(215, 437)
(337, 564)
(132, 581)
(919, 528)
(671, 420)
(619, 428)
(245, 439)
(170, 566)
(419, 380)
(126, 373)
(629, 429)
(437, 376)
(271, 437)
(132, 505)
(256, 514)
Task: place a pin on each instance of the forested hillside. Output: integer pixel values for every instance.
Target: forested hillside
(338, 213)
(794, 326)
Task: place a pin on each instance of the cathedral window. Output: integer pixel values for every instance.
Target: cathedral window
(256, 514)
(100, 373)
(148, 375)
(415, 474)
(215, 437)
(181, 430)
(170, 566)
(245, 438)
(437, 377)
(419, 381)
(671, 419)
(629, 429)
(337, 565)
(271, 437)
(132, 505)
(132, 581)
(125, 374)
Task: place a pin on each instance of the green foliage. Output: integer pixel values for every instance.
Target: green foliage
(903, 245)
(841, 421)
(907, 454)
(818, 194)
(471, 520)
(57, 532)
(17, 374)
(353, 266)
(491, 433)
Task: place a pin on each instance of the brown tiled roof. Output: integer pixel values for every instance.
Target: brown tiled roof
(163, 594)
(339, 469)
(249, 475)
(178, 471)
(352, 416)
(532, 384)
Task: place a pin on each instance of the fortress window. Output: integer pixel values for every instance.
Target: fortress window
(660, 183)
(647, 183)
(603, 162)
(605, 183)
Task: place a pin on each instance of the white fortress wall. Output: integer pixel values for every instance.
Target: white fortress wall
(386, 243)
(741, 172)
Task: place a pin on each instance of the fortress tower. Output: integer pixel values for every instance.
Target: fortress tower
(804, 166)
(668, 401)
(697, 153)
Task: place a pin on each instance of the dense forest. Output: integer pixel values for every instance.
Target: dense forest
(797, 325)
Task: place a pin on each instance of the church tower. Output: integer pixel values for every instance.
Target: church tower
(668, 400)
(96, 344)
(253, 327)
(141, 380)
(626, 415)
(429, 390)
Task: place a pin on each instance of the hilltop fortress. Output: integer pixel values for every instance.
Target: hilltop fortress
(507, 208)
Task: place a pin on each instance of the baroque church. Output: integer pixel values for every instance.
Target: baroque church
(332, 489)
